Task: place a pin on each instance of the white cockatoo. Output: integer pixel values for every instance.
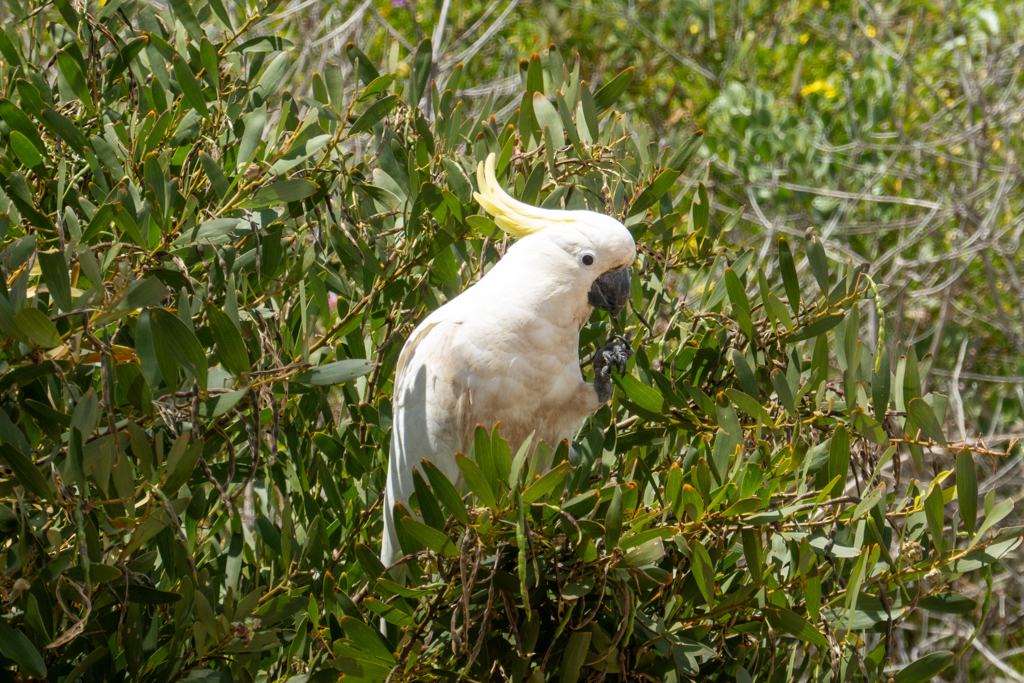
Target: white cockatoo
(507, 349)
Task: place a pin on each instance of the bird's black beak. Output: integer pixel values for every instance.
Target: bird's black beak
(610, 292)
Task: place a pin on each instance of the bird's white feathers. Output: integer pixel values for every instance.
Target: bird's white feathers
(506, 349)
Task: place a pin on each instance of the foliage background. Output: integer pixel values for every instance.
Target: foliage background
(891, 132)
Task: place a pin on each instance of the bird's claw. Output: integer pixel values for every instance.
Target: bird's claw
(615, 354)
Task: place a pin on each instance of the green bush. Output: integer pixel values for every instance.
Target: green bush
(207, 283)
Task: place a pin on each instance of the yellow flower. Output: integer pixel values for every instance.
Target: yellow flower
(819, 86)
(870, 31)
(694, 28)
(824, 4)
(804, 38)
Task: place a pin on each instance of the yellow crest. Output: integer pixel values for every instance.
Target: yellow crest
(512, 216)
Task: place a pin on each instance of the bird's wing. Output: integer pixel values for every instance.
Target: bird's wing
(429, 406)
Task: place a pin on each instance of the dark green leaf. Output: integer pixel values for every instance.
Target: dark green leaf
(73, 76)
(819, 263)
(37, 327)
(819, 326)
(16, 646)
(789, 278)
(682, 156)
(446, 493)
(612, 90)
(792, 623)
(476, 480)
(420, 75)
(925, 668)
(283, 192)
(374, 113)
(26, 472)
(64, 129)
(230, 346)
(190, 89)
(967, 488)
(920, 413)
(653, 192)
(180, 341)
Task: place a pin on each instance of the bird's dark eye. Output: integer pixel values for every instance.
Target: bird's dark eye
(587, 259)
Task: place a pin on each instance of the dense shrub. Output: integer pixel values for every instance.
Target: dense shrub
(207, 283)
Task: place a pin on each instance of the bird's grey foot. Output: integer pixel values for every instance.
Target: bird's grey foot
(615, 354)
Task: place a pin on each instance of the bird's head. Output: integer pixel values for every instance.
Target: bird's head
(592, 250)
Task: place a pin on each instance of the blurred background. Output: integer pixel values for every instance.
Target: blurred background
(892, 129)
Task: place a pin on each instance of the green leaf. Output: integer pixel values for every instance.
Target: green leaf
(64, 129)
(546, 484)
(753, 552)
(792, 623)
(703, 572)
(68, 68)
(420, 75)
(920, 413)
(740, 302)
(188, 19)
(26, 472)
(18, 121)
(254, 122)
(337, 372)
(612, 90)
(784, 393)
(476, 480)
(429, 510)
(150, 596)
(547, 116)
(282, 192)
(575, 654)
(211, 62)
(880, 387)
(364, 67)
(653, 192)
(230, 347)
(368, 560)
(789, 278)
(180, 470)
(641, 394)
(264, 44)
(8, 50)
(174, 336)
(218, 181)
(55, 273)
(925, 668)
(446, 493)
(682, 156)
(749, 405)
(374, 113)
(98, 573)
(819, 263)
(948, 603)
(933, 508)
(16, 646)
(839, 456)
(613, 521)
(39, 329)
(967, 489)
(819, 326)
(24, 150)
(430, 537)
